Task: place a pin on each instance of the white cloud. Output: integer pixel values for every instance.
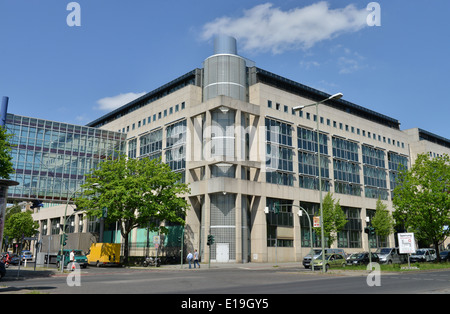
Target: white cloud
(114, 102)
(265, 28)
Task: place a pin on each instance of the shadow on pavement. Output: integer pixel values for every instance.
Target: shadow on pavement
(14, 275)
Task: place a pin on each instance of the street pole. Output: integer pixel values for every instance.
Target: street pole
(64, 225)
(182, 242)
(322, 236)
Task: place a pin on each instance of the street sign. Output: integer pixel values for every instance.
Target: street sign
(316, 220)
(406, 243)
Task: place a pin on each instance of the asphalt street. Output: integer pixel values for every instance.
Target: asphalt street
(255, 279)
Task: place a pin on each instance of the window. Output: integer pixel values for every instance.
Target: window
(280, 215)
(350, 236)
(345, 149)
(151, 144)
(279, 153)
(132, 148)
(269, 103)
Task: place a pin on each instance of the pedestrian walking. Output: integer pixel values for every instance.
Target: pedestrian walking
(196, 259)
(189, 259)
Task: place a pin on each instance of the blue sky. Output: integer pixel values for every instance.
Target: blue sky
(125, 48)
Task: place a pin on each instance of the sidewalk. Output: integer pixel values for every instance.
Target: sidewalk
(248, 266)
(27, 272)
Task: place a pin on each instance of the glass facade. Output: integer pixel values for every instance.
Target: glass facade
(51, 158)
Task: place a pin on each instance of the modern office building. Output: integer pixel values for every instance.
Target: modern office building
(51, 158)
(251, 160)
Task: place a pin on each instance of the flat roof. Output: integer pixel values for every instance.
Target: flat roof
(266, 77)
(259, 76)
(190, 78)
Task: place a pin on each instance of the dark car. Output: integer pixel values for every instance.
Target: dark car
(445, 256)
(2, 270)
(362, 259)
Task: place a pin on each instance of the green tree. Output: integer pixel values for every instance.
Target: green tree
(20, 225)
(383, 222)
(134, 193)
(422, 199)
(6, 166)
(334, 219)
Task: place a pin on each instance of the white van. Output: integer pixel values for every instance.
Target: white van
(423, 255)
(391, 256)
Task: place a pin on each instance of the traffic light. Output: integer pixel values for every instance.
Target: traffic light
(210, 240)
(370, 231)
(36, 204)
(64, 239)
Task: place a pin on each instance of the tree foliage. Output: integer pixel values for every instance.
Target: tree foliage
(6, 166)
(134, 193)
(334, 218)
(422, 199)
(383, 222)
(19, 225)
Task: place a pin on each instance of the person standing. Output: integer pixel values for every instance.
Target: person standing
(196, 259)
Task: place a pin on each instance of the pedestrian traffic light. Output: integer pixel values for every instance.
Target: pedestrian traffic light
(210, 240)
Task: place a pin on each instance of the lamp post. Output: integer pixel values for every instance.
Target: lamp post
(335, 96)
(64, 226)
(300, 214)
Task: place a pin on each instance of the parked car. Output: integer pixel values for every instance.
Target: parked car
(331, 260)
(307, 259)
(423, 255)
(391, 256)
(318, 252)
(2, 270)
(80, 258)
(445, 256)
(26, 255)
(362, 258)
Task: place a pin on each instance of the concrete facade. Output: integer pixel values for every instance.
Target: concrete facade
(238, 167)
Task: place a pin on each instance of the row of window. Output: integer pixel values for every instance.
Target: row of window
(281, 214)
(336, 124)
(151, 145)
(149, 119)
(345, 158)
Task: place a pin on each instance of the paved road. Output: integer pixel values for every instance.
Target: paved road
(254, 280)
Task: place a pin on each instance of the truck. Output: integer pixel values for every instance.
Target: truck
(104, 254)
(80, 258)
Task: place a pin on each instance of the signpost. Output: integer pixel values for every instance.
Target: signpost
(407, 244)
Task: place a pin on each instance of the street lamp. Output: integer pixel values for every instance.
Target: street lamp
(64, 225)
(335, 96)
(300, 214)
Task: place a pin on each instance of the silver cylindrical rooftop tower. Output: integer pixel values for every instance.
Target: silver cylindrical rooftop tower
(225, 71)
(225, 45)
